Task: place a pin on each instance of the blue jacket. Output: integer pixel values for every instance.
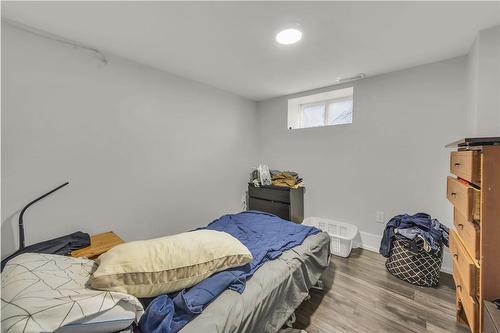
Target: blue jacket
(434, 233)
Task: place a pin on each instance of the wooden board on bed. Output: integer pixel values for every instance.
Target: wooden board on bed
(99, 244)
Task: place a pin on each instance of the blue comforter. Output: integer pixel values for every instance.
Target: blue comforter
(265, 235)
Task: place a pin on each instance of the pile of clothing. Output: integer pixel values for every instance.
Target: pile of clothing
(264, 176)
(414, 228)
(285, 178)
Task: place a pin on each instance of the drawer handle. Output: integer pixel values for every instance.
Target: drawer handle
(455, 255)
(459, 287)
(453, 194)
(457, 164)
(461, 226)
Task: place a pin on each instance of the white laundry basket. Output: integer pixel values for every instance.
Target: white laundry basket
(341, 234)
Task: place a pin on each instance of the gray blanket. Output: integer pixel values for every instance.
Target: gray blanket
(270, 296)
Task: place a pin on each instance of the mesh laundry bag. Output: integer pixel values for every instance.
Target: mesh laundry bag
(414, 265)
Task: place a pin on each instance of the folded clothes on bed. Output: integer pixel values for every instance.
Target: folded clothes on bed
(265, 235)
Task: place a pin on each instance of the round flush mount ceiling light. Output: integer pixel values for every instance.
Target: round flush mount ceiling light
(289, 36)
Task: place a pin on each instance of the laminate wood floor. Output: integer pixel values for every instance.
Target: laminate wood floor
(361, 296)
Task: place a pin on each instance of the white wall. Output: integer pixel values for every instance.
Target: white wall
(484, 83)
(472, 88)
(146, 153)
(391, 159)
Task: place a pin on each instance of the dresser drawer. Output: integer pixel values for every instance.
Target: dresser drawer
(277, 208)
(468, 232)
(466, 165)
(464, 197)
(463, 266)
(469, 305)
(281, 195)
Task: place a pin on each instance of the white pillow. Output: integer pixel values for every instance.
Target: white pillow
(43, 292)
(163, 265)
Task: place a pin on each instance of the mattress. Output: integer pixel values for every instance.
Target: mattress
(271, 295)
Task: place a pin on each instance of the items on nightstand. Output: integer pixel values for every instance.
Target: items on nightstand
(99, 244)
(77, 244)
(60, 245)
(263, 176)
(285, 178)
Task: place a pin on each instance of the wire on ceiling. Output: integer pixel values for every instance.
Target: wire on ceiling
(56, 38)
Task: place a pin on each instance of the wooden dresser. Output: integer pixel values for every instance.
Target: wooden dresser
(474, 191)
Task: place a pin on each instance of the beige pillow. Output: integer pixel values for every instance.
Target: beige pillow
(163, 265)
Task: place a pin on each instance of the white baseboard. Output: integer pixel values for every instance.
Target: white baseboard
(371, 242)
(367, 241)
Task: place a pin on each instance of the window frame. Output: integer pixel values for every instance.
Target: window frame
(295, 119)
(326, 103)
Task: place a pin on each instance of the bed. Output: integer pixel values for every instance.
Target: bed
(288, 260)
(271, 295)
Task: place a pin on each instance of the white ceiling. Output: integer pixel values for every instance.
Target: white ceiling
(231, 45)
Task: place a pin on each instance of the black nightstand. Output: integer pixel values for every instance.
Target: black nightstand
(287, 203)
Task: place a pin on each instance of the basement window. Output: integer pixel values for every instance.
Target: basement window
(323, 109)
